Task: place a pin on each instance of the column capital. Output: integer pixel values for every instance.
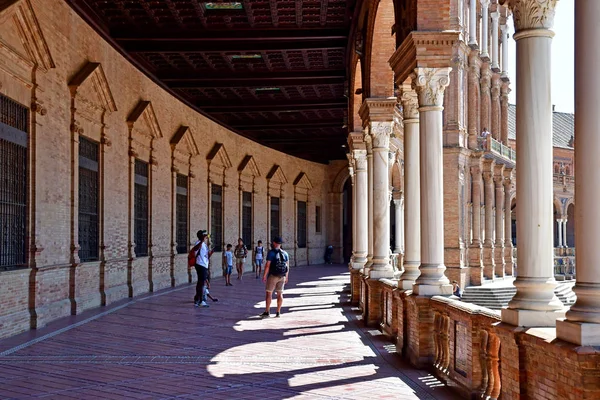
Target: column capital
(410, 102)
(360, 159)
(377, 109)
(380, 132)
(532, 14)
(495, 16)
(505, 90)
(430, 84)
(484, 3)
(356, 140)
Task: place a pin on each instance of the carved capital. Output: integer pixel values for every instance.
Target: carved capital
(153, 161)
(487, 176)
(532, 14)
(133, 153)
(105, 141)
(76, 128)
(360, 159)
(410, 104)
(430, 84)
(380, 133)
(174, 169)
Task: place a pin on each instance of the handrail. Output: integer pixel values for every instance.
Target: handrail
(491, 145)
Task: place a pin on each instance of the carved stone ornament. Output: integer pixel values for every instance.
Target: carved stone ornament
(487, 177)
(410, 104)
(37, 107)
(380, 133)
(106, 141)
(76, 128)
(153, 161)
(532, 14)
(133, 153)
(360, 159)
(430, 85)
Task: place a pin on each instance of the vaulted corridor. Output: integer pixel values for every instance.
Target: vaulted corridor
(161, 347)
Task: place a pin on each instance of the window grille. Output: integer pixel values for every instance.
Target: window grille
(13, 184)
(216, 218)
(88, 200)
(247, 218)
(274, 218)
(181, 214)
(318, 219)
(301, 225)
(140, 212)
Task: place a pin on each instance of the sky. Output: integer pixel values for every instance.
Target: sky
(562, 58)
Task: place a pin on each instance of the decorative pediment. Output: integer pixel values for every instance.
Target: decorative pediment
(276, 175)
(248, 166)
(90, 82)
(302, 181)
(184, 137)
(219, 155)
(30, 34)
(143, 119)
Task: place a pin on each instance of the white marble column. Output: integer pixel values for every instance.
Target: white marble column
(504, 91)
(535, 303)
(473, 23)
(398, 228)
(504, 35)
(489, 262)
(508, 256)
(412, 189)
(430, 84)
(485, 30)
(495, 17)
(564, 232)
(361, 200)
(353, 200)
(582, 325)
(369, 144)
(559, 224)
(499, 237)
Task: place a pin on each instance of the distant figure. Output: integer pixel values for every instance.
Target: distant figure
(328, 254)
(228, 264)
(456, 291)
(240, 253)
(203, 254)
(259, 252)
(483, 138)
(276, 276)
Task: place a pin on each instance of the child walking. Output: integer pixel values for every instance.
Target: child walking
(228, 261)
(240, 253)
(258, 258)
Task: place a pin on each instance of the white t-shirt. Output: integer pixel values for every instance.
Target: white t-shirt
(258, 255)
(229, 258)
(202, 255)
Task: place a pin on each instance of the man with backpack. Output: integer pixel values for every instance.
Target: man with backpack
(276, 275)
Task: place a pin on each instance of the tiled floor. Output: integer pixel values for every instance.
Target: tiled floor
(162, 347)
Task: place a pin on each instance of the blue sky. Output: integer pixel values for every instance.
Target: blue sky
(562, 58)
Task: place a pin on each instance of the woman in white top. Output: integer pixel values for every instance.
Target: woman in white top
(202, 256)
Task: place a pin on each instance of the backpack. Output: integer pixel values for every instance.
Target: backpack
(240, 252)
(279, 266)
(193, 254)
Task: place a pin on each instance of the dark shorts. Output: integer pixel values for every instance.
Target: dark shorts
(228, 269)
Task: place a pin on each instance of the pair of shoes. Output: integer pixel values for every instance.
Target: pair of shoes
(265, 314)
(277, 315)
(202, 304)
(215, 299)
(196, 303)
(229, 284)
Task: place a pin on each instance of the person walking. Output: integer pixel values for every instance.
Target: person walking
(228, 263)
(202, 256)
(276, 275)
(240, 253)
(259, 252)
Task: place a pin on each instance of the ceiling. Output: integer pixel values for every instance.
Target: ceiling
(273, 71)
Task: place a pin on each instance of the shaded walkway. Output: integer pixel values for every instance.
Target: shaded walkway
(161, 347)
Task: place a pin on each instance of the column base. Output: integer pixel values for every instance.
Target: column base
(355, 278)
(531, 318)
(387, 273)
(432, 290)
(580, 333)
(406, 284)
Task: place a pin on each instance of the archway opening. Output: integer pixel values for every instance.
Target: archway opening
(570, 226)
(347, 221)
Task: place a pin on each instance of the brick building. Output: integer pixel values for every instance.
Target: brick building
(128, 126)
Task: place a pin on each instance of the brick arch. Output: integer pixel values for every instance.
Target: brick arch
(340, 180)
(356, 99)
(380, 45)
(396, 175)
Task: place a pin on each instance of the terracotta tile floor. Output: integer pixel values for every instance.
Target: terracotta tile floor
(161, 347)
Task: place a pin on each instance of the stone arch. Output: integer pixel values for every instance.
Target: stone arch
(336, 206)
(381, 45)
(396, 180)
(340, 179)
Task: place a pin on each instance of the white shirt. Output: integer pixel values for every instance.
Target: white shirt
(259, 253)
(229, 258)
(202, 255)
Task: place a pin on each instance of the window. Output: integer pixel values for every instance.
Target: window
(301, 237)
(89, 191)
(181, 214)
(216, 218)
(247, 218)
(140, 206)
(318, 219)
(13, 183)
(274, 218)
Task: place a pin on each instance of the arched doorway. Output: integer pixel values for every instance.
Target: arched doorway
(570, 226)
(347, 221)
(557, 232)
(513, 217)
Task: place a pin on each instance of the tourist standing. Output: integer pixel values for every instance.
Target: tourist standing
(258, 258)
(202, 256)
(276, 276)
(228, 262)
(240, 253)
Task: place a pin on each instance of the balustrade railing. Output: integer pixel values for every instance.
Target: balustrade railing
(491, 145)
(564, 179)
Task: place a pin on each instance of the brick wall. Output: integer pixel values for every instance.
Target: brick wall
(57, 285)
